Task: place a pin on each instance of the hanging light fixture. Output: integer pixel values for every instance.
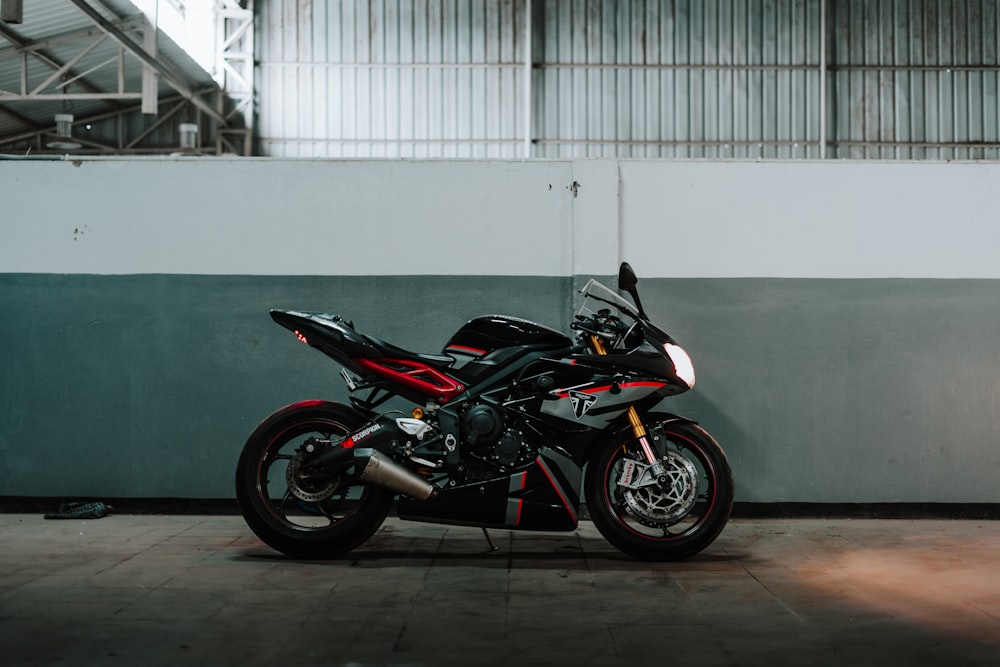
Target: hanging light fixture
(63, 140)
(189, 136)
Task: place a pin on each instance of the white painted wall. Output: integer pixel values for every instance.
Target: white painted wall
(670, 219)
(280, 217)
(812, 219)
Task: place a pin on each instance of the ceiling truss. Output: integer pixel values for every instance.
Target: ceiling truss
(230, 114)
(148, 60)
(57, 85)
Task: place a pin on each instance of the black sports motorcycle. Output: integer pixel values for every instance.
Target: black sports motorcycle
(511, 422)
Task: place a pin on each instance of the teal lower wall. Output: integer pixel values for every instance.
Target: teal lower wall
(845, 391)
(832, 391)
(147, 386)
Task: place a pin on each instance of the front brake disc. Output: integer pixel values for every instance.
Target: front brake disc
(655, 505)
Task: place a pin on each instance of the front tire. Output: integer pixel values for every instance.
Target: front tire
(302, 515)
(662, 524)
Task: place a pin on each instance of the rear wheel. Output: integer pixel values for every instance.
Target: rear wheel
(301, 512)
(671, 521)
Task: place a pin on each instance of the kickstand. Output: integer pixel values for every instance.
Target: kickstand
(493, 547)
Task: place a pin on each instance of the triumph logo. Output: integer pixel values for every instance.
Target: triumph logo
(581, 402)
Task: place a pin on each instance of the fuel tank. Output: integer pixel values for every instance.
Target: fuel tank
(483, 335)
(486, 343)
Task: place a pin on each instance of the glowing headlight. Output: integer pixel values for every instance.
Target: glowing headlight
(682, 363)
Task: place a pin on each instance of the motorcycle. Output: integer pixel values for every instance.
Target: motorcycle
(511, 423)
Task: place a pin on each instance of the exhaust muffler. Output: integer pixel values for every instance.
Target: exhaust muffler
(381, 470)
(375, 467)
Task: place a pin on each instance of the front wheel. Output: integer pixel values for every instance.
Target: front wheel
(661, 522)
(298, 511)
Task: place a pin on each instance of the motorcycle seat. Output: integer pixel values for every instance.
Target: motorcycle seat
(390, 350)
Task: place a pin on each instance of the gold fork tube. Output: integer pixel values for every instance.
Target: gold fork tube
(598, 345)
(633, 416)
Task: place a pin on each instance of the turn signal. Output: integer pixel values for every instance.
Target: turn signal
(301, 337)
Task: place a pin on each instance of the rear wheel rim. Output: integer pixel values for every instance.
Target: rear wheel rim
(292, 498)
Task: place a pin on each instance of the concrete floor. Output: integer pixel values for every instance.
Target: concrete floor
(179, 590)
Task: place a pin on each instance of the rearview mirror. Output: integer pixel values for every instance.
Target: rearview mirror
(627, 281)
(626, 278)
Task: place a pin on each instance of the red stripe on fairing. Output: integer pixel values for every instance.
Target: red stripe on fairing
(418, 376)
(626, 385)
(559, 492)
(520, 501)
(464, 348)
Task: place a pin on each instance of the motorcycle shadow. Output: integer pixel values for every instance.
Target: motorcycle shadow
(529, 551)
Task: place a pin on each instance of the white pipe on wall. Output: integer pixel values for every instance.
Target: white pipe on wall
(822, 79)
(527, 79)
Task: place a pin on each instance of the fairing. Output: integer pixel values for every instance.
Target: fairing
(597, 404)
(543, 496)
(484, 335)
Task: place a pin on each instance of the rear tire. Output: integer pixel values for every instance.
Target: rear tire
(297, 514)
(653, 524)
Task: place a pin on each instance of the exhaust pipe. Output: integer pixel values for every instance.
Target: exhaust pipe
(383, 471)
(375, 467)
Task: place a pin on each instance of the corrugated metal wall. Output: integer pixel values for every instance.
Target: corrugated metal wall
(914, 79)
(714, 78)
(391, 78)
(891, 79)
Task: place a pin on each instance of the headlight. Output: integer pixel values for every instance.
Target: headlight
(682, 363)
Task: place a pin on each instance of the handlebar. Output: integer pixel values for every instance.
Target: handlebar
(604, 325)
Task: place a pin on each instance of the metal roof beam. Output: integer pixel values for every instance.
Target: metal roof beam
(163, 118)
(9, 96)
(137, 51)
(68, 65)
(94, 118)
(22, 47)
(19, 117)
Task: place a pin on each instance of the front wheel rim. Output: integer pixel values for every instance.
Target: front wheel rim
(651, 513)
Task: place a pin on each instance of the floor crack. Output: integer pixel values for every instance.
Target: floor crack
(795, 614)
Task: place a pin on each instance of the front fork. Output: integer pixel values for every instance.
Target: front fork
(655, 465)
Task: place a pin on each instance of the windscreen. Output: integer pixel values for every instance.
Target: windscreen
(597, 297)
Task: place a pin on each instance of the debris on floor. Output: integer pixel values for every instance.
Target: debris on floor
(81, 510)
